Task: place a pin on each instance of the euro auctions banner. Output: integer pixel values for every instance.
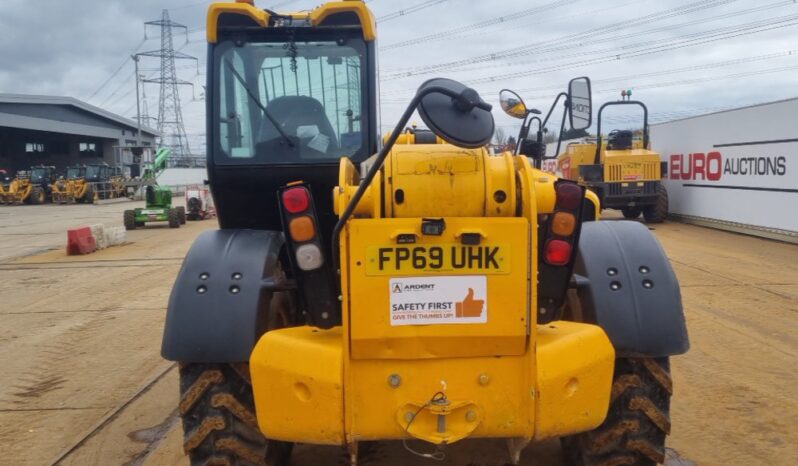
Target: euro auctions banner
(737, 166)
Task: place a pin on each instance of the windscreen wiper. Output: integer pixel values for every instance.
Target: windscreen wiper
(257, 101)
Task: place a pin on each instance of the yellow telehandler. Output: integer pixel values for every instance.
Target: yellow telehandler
(31, 187)
(73, 187)
(420, 290)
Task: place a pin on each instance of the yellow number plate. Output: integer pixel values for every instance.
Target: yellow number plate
(412, 259)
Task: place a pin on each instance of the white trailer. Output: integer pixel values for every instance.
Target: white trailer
(735, 169)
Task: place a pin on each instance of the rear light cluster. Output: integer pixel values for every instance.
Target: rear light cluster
(309, 269)
(559, 234)
(302, 228)
(561, 237)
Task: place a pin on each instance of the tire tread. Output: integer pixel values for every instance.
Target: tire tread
(219, 421)
(658, 212)
(637, 421)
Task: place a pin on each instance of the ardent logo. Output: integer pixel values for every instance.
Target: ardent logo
(397, 288)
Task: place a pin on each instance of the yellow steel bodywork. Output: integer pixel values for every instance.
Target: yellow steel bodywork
(620, 166)
(315, 17)
(79, 190)
(448, 181)
(19, 191)
(59, 191)
(117, 186)
(70, 190)
(308, 390)
(371, 333)
(369, 380)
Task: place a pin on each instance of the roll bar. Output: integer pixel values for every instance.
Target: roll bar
(597, 158)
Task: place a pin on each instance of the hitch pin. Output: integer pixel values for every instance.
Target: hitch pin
(441, 417)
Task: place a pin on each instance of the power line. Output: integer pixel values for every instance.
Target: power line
(115, 72)
(119, 88)
(527, 49)
(626, 78)
(505, 28)
(479, 25)
(666, 28)
(786, 22)
(409, 10)
(683, 82)
(648, 48)
(664, 84)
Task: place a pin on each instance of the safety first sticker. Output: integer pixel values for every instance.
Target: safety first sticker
(439, 300)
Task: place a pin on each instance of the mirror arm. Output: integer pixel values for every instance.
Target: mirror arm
(553, 105)
(539, 134)
(522, 134)
(562, 126)
(463, 100)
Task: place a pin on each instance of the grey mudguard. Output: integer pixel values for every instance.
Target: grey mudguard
(626, 285)
(219, 303)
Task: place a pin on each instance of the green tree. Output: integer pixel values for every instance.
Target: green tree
(574, 134)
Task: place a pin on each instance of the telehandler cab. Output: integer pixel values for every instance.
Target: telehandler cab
(440, 293)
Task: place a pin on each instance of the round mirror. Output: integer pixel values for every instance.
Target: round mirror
(512, 104)
(462, 125)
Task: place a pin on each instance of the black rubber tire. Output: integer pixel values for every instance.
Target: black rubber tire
(637, 422)
(38, 195)
(181, 211)
(631, 213)
(219, 422)
(174, 218)
(91, 195)
(658, 212)
(130, 220)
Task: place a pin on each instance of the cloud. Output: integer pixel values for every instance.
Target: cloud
(70, 48)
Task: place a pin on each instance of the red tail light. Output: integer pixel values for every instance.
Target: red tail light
(558, 252)
(569, 196)
(296, 200)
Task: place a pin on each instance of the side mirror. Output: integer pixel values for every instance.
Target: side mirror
(512, 104)
(580, 98)
(456, 113)
(452, 111)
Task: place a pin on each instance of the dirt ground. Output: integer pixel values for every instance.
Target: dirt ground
(83, 383)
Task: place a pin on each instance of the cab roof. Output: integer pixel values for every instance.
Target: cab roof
(333, 15)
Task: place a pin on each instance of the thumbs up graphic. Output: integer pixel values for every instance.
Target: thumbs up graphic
(469, 307)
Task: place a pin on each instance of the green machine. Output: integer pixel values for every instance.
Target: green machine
(158, 200)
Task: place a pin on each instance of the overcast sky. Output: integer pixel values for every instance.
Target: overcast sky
(680, 57)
